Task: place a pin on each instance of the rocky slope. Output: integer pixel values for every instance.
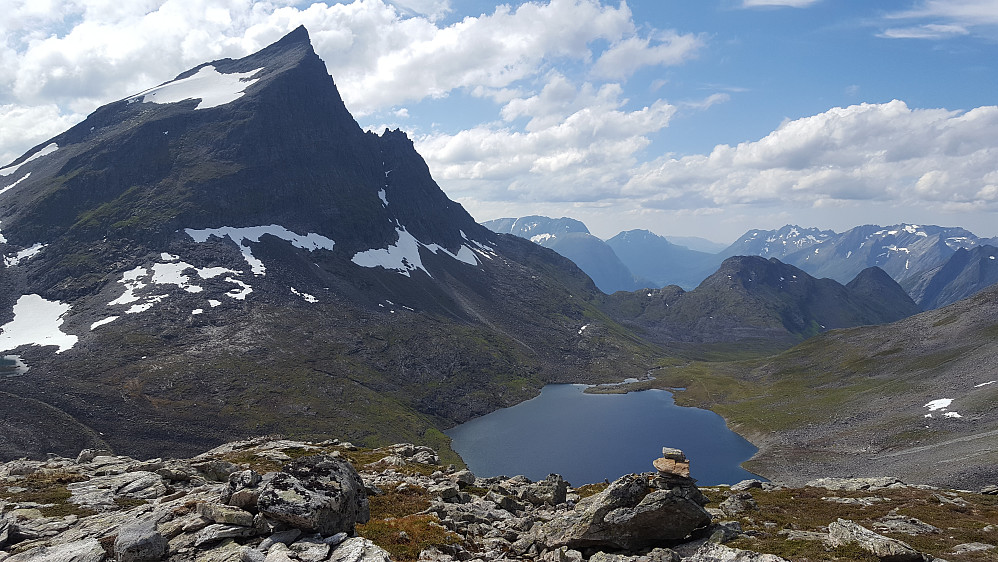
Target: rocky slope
(750, 298)
(275, 500)
(915, 399)
(229, 253)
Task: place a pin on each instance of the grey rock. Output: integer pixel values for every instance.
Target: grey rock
(550, 491)
(359, 549)
(320, 493)
(87, 550)
(444, 491)
(725, 531)
(225, 514)
(279, 553)
(248, 554)
(970, 547)
(990, 490)
(565, 554)
(713, 552)
(624, 516)
(746, 485)
(464, 478)
(905, 525)
(310, 550)
(87, 455)
(99, 492)
(215, 470)
(855, 484)
(738, 503)
(283, 537)
(795, 535)
(654, 555)
(843, 532)
(864, 501)
(335, 539)
(140, 542)
(218, 531)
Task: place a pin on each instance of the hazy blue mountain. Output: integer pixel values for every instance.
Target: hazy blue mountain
(964, 274)
(903, 250)
(697, 243)
(653, 257)
(571, 238)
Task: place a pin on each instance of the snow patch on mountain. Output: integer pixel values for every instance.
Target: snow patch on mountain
(48, 149)
(542, 238)
(13, 185)
(170, 271)
(241, 235)
(403, 256)
(36, 322)
(25, 254)
(100, 323)
(306, 296)
(239, 293)
(209, 85)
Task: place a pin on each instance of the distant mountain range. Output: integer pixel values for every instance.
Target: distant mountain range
(751, 298)
(919, 257)
(571, 238)
(629, 261)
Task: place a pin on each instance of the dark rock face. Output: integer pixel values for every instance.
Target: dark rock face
(319, 493)
(335, 269)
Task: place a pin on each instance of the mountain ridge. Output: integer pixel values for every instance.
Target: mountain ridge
(233, 232)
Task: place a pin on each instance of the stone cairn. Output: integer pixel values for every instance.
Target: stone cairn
(673, 467)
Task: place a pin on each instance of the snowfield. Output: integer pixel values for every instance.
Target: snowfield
(209, 85)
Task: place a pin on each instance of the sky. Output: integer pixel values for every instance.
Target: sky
(695, 117)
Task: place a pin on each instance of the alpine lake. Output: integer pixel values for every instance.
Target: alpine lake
(588, 438)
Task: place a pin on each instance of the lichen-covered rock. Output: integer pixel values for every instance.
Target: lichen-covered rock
(319, 493)
(628, 515)
(87, 550)
(713, 552)
(550, 491)
(140, 542)
(359, 550)
(844, 532)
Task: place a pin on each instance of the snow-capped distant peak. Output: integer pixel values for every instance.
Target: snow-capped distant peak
(209, 85)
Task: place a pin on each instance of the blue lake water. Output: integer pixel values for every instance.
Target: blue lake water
(591, 437)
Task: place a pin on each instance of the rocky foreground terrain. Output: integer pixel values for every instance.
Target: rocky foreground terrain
(274, 500)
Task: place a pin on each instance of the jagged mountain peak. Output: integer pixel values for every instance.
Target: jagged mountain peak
(231, 245)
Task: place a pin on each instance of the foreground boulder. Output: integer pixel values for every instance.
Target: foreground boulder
(634, 512)
(320, 493)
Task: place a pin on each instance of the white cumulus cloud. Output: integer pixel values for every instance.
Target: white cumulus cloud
(75, 55)
(879, 152)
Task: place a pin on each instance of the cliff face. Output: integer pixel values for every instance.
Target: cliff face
(272, 499)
